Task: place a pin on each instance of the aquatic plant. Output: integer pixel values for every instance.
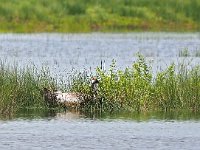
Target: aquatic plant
(21, 88)
(187, 53)
(197, 53)
(135, 89)
(184, 53)
(138, 89)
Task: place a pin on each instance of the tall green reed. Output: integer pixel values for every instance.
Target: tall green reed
(21, 88)
(137, 89)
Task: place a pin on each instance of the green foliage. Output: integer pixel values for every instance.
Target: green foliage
(184, 53)
(99, 15)
(134, 89)
(22, 88)
(187, 53)
(137, 89)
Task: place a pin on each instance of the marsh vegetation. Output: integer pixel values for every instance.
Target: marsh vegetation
(135, 89)
(21, 88)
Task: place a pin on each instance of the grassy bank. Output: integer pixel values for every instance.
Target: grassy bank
(99, 15)
(135, 89)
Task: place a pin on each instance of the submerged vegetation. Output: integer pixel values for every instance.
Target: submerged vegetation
(99, 15)
(134, 89)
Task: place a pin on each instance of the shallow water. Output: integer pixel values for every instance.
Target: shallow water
(74, 131)
(63, 52)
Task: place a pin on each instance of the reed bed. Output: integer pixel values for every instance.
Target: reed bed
(21, 88)
(135, 89)
(187, 53)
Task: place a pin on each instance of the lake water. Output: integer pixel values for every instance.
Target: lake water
(74, 131)
(68, 130)
(64, 52)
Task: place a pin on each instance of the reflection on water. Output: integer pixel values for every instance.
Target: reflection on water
(31, 114)
(68, 115)
(68, 130)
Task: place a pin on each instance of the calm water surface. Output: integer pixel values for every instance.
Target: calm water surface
(63, 52)
(74, 131)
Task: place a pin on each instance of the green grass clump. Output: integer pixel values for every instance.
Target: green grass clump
(99, 15)
(138, 89)
(186, 53)
(21, 88)
(135, 89)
